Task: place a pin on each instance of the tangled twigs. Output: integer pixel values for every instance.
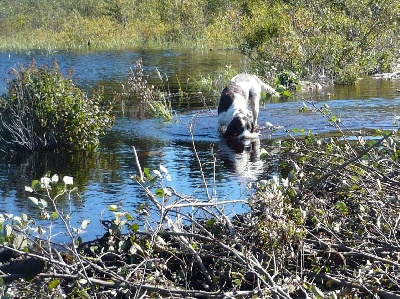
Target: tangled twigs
(351, 207)
(338, 240)
(223, 241)
(350, 161)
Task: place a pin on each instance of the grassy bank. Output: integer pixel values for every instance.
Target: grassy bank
(325, 41)
(54, 25)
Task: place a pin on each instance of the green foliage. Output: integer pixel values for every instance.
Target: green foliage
(42, 109)
(215, 82)
(286, 82)
(116, 10)
(324, 41)
(12, 228)
(287, 79)
(330, 210)
(329, 193)
(53, 284)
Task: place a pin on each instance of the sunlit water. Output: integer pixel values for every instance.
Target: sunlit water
(103, 178)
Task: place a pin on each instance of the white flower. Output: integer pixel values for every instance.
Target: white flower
(269, 125)
(157, 173)
(54, 178)
(28, 189)
(45, 181)
(18, 219)
(275, 179)
(167, 192)
(68, 180)
(285, 182)
(165, 170)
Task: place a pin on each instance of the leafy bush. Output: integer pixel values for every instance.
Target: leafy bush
(286, 82)
(325, 41)
(45, 110)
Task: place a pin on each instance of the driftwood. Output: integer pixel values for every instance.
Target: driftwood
(387, 76)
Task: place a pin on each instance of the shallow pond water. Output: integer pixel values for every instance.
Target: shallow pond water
(103, 177)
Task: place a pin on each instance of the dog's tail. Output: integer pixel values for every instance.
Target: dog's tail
(266, 88)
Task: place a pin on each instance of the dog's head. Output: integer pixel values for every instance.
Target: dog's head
(241, 126)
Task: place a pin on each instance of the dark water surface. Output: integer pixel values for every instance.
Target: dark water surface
(103, 178)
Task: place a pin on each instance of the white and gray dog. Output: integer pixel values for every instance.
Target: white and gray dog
(234, 118)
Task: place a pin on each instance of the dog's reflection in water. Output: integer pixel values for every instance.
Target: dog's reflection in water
(242, 157)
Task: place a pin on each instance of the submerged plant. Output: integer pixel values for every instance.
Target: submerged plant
(146, 100)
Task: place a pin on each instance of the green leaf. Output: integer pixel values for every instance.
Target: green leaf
(159, 192)
(113, 208)
(287, 93)
(54, 215)
(342, 207)
(53, 284)
(295, 130)
(36, 185)
(128, 217)
(236, 281)
(210, 223)
(146, 244)
(263, 153)
(317, 292)
(134, 227)
(303, 109)
(146, 172)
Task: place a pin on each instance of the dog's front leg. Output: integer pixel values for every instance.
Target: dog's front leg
(255, 107)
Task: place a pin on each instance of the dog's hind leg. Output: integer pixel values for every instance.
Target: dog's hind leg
(254, 98)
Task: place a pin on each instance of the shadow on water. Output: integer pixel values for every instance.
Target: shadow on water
(103, 177)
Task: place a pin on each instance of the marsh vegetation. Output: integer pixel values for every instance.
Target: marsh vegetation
(325, 41)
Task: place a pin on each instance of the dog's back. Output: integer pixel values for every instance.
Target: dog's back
(252, 87)
(228, 96)
(251, 84)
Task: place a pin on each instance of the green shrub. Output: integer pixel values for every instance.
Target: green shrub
(42, 109)
(323, 41)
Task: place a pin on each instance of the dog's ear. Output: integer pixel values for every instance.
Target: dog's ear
(235, 128)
